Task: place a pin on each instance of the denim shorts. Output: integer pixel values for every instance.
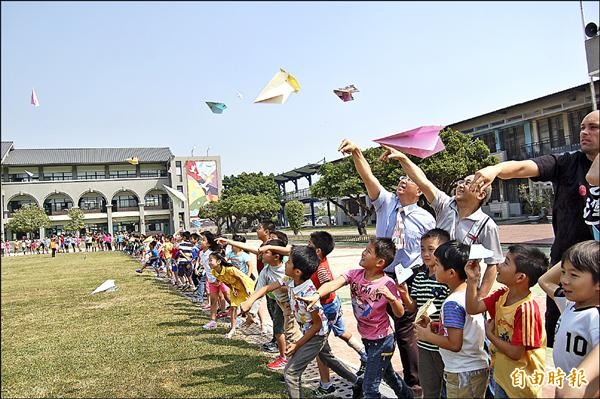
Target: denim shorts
(333, 312)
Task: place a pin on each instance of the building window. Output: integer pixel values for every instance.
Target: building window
(575, 119)
(490, 140)
(125, 201)
(178, 168)
(22, 177)
(58, 176)
(94, 175)
(513, 139)
(153, 173)
(122, 174)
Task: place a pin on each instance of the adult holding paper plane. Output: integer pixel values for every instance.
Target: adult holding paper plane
(460, 215)
(400, 218)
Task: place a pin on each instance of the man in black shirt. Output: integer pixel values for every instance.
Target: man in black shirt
(567, 173)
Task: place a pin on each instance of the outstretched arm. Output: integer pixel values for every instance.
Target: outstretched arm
(593, 175)
(415, 173)
(242, 245)
(473, 304)
(483, 178)
(362, 167)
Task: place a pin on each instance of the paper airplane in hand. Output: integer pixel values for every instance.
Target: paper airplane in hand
(174, 193)
(216, 108)
(426, 310)
(478, 251)
(403, 274)
(421, 142)
(345, 93)
(133, 160)
(278, 89)
(107, 286)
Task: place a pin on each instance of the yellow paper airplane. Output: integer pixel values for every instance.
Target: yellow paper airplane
(278, 89)
(133, 160)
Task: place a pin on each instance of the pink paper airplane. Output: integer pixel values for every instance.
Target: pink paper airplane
(34, 99)
(345, 93)
(421, 142)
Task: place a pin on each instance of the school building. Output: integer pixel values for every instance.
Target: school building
(145, 190)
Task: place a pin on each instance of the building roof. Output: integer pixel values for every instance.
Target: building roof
(5, 148)
(83, 156)
(504, 110)
(297, 173)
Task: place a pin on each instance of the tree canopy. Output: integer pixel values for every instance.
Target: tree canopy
(294, 212)
(28, 218)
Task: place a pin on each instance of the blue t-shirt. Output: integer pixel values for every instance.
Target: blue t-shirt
(240, 260)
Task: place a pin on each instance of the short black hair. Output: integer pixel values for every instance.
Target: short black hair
(322, 240)
(195, 236)
(238, 238)
(441, 234)
(584, 257)
(186, 235)
(268, 225)
(384, 249)
(220, 258)
(276, 243)
(304, 259)
(453, 255)
(530, 261)
(280, 236)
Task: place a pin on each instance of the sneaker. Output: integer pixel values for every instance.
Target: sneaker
(357, 390)
(230, 334)
(277, 364)
(321, 392)
(138, 270)
(211, 325)
(361, 369)
(270, 347)
(221, 315)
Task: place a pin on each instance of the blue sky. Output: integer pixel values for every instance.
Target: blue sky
(137, 74)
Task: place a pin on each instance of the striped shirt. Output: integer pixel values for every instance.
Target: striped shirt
(185, 248)
(321, 276)
(425, 287)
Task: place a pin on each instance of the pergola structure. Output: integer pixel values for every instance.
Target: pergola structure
(303, 195)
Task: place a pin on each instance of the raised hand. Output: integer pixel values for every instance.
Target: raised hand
(483, 178)
(309, 300)
(472, 270)
(347, 147)
(391, 153)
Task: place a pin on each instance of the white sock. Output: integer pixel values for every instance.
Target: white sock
(325, 385)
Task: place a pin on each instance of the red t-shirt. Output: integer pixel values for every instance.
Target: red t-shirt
(321, 276)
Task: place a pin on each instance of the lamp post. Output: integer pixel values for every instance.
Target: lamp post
(591, 50)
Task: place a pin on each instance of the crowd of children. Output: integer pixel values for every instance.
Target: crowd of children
(454, 358)
(64, 243)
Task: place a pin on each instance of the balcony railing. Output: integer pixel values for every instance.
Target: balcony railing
(124, 208)
(94, 210)
(539, 148)
(297, 195)
(164, 205)
(56, 212)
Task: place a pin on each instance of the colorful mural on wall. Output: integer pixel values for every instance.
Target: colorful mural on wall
(202, 187)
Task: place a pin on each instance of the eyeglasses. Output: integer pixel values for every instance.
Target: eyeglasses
(465, 183)
(404, 178)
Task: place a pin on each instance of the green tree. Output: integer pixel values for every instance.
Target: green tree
(215, 211)
(75, 222)
(250, 207)
(339, 179)
(28, 218)
(294, 212)
(252, 184)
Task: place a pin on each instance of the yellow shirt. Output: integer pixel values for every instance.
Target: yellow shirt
(520, 324)
(167, 248)
(240, 284)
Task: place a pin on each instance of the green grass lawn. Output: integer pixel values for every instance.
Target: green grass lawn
(144, 340)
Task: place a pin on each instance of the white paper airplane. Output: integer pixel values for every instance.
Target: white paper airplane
(278, 89)
(174, 193)
(427, 309)
(107, 286)
(403, 274)
(29, 173)
(478, 251)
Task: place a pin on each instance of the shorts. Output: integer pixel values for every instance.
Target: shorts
(182, 269)
(214, 288)
(276, 315)
(333, 312)
(174, 268)
(467, 384)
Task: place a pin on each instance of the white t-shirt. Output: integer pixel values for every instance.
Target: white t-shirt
(204, 255)
(304, 317)
(471, 357)
(576, 333)
(271, 274)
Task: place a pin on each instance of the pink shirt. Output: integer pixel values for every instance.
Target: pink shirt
(370, 308)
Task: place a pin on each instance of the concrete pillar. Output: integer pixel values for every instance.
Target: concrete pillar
(42, 233)
(534, 132)
(566, 128)
(142, 222)
(109, 218)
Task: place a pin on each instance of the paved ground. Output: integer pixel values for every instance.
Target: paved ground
(344, 258)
